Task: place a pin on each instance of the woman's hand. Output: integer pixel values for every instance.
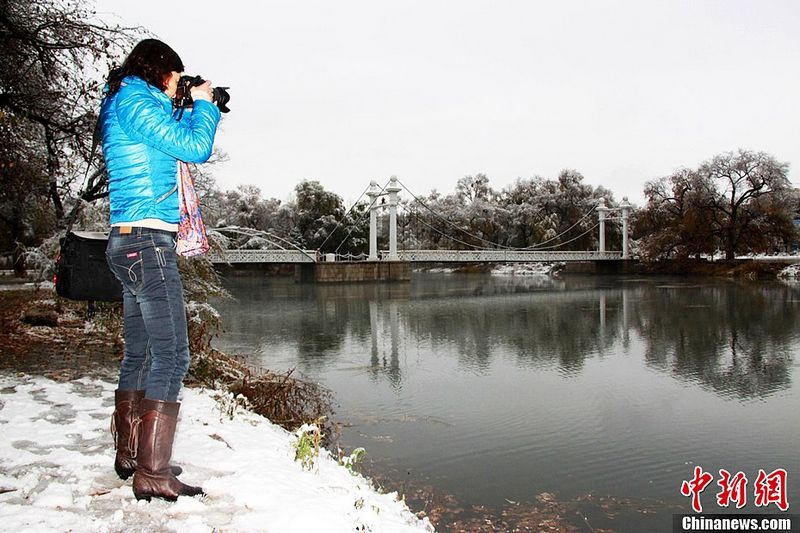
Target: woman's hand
(202, 92)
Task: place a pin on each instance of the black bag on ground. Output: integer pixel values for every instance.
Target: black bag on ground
(82, 272)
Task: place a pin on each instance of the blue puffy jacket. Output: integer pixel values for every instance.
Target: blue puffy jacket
(142, 143)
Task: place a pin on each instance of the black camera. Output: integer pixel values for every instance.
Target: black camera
(183, 96)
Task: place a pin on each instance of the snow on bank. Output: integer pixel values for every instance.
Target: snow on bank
(791, 272)
(437, 270)
(527, 269)
(502, 269)
(46, 285)
(56, 471)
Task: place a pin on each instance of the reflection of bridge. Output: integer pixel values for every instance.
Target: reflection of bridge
(390, 318)
(542, 252)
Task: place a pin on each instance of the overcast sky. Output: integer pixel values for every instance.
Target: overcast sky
(623, 91)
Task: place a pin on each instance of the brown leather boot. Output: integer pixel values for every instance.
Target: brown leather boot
(126, 411)
(153, 477)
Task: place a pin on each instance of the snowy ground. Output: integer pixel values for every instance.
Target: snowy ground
(15, 285)
(56, 471)
(527, 269)
(775, 257)
(507, 269)
(791, 272)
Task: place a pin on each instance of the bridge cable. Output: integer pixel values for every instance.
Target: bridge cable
(521, 250)
(539, 244)
(364, 214)
(498, 245)
(247, 232)
(251, 231)
(339, 223)
(566, 242)
(426, 206)
(443, 234)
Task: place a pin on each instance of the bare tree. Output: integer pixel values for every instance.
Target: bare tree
(53, 58)
(674, 222)
(737, 201)
(739, 183)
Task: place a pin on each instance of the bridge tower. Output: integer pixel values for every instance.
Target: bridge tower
(602, 213)
(393, 189)
(621, 213)
(374, 192)
(625, 209)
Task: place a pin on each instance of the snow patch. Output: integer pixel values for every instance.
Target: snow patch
(59, 460)
(45, 285)
(55, 496)
(527, 269)
(438, 270)
(199, 312)
(791, 272)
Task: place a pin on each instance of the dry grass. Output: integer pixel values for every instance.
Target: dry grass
(284, 399)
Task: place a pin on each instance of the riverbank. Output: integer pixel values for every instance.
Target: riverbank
(57, 456)
(751, 269)
(762, 268)
(57, 376)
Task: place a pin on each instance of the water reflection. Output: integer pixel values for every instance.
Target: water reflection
(378, 363)
(496, 389)
(735, 339)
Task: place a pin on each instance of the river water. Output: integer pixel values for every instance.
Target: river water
(496, 389)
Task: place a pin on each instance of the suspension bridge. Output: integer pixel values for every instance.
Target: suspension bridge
(379, 264)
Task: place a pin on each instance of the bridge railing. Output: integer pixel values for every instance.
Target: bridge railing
(264, 256)
(421, 256)
(461, 256)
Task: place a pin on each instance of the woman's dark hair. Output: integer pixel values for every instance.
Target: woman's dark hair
(151, 60)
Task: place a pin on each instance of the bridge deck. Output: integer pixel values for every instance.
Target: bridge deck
(419, 256)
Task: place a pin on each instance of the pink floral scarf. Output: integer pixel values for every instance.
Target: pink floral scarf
(192, 238)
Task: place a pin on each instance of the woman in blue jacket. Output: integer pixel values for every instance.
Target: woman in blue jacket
(143, 140)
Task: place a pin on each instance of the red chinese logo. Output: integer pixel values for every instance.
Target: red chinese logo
(768, 488)
(697, 485)
(771, 488)
(733, 489)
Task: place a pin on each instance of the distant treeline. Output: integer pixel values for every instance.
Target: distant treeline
(534, 213)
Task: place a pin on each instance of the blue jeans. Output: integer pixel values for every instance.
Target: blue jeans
(156, 339)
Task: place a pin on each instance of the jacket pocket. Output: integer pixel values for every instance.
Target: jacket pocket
(167, 194)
